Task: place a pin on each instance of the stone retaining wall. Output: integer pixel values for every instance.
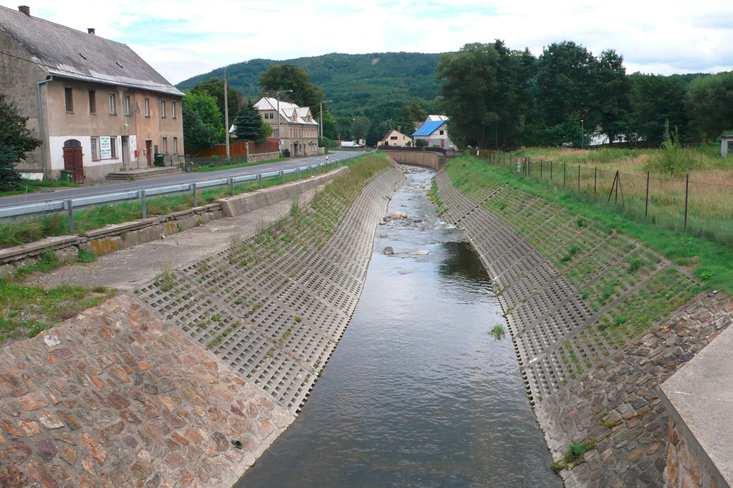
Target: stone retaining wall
(115, 237)
(579, 302)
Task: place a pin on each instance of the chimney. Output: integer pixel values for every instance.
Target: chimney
(25, 9)
(91, 30)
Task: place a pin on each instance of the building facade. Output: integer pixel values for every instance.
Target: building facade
(95, 104)
(434, 131)
(293, 126)
(395, 138)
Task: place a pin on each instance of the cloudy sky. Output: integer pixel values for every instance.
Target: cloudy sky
(182, 38)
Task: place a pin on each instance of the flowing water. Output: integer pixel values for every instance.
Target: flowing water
(418, 393)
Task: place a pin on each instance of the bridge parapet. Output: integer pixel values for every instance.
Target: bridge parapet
(427, 159)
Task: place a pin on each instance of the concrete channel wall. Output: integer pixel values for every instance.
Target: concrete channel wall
(115, 237)
(189, 380)
(427, 159)
(598, 322)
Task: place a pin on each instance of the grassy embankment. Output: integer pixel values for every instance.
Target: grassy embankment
(26, 310)
(627, 286)
(219, 166)
(30, 186)
(13, 233)
(710, 206)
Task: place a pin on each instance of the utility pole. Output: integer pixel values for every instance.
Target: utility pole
(226, 111)
(320, 126)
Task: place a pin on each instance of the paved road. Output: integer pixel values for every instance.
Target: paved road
(101, 189)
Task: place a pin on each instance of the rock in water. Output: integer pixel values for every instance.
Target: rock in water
(388, 251)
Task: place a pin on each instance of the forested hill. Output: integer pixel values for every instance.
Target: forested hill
(351, 82)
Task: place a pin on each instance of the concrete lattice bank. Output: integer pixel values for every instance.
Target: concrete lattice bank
(598, 320)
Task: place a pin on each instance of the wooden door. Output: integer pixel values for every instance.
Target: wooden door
(149, 152)
(74, 160)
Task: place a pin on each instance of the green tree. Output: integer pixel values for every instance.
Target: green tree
(250, 126)
(215, 88)
(289, 77)
(360, 127)
(710, 105)
(656, 101)
(612, 94)
(15, 141)
(202, 123)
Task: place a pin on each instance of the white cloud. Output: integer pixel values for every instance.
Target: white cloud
(183, 38)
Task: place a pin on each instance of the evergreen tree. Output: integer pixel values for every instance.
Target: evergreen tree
(250, 126)
(15, 141)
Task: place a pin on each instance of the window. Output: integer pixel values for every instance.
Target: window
(126, 105)
(393, 138)
(162, 109)
(165, 145)
(174, 109)
(147, 107)
(113, 147)
(95, 149)
(112, 101)
(92, 102)
(442, 132)
(69, 99)
(175, 140)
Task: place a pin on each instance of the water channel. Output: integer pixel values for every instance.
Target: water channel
(418, 393)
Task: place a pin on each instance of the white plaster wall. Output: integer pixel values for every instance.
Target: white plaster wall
(56, 145)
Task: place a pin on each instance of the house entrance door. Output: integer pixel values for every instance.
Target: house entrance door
(149, 152)
(125, 152)
(74, 160)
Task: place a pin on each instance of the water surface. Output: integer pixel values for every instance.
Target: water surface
(417, 394)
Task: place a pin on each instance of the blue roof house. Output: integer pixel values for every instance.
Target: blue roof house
(434, 131)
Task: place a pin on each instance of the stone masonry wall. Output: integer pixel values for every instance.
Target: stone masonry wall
(115, 397)
(687, 466)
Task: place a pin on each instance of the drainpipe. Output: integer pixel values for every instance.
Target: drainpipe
(42, 129)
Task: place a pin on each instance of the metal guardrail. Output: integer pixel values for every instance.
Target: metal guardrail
(68, 205)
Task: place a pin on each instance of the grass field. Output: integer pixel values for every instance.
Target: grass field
(219, 166)
(592, 174)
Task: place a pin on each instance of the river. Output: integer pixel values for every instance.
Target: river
(418, 393)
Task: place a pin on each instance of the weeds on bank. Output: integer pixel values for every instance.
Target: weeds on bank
(573, 455)
(27, 310)
(497, 332)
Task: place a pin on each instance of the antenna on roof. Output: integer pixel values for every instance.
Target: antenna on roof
(91, 30)
(25, 9)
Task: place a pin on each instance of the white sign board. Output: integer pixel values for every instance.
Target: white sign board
(105, 148)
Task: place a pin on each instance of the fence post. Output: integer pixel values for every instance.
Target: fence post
(193, 194)
(564, 173)
(143, 206)
(541, 170)
(595, 180)
(259, 179)
(551, 172)
(70, 213)
(529, 167)
(578, 178)
(231, 186)
(646, 198)
(687, 194)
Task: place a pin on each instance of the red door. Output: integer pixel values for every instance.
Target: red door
(74, 160)
(149, 152)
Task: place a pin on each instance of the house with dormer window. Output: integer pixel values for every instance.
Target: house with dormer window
(293, 126)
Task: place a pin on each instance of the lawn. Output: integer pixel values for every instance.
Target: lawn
(592, 174)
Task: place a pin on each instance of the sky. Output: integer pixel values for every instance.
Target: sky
(183, 38)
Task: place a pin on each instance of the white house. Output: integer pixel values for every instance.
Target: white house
(434, 131)
(395, 138)
(293, 126)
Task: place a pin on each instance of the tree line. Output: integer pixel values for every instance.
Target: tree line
(503, 98)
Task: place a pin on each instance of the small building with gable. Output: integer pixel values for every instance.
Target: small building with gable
(395, 138)
(434, 132)
(294, 127)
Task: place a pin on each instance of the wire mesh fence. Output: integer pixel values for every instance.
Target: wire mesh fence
(687, 203)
